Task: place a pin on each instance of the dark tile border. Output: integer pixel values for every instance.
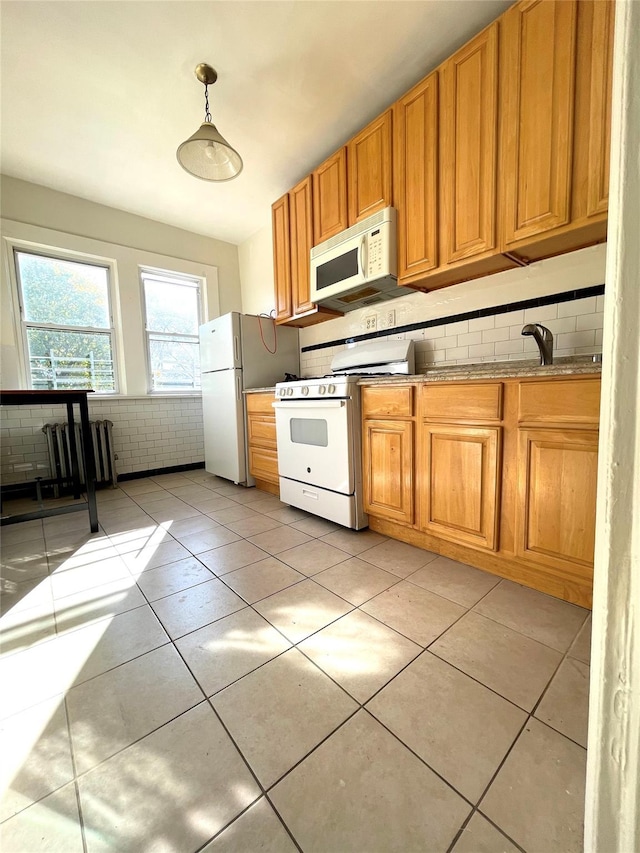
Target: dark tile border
(537, 302)
(156, 472)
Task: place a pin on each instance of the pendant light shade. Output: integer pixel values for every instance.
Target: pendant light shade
(207, 154)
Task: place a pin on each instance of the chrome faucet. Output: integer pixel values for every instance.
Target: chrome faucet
(543, 338)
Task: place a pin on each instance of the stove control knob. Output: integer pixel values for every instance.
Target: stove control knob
(322, 389)
(282, 391)
(331, 389)
(289, 392)
(305, 390)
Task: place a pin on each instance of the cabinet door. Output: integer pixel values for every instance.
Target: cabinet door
(263, 464)
(538, 83)
(301, 241)
(415, 151)
(281, 257)
(600, 107)
(330, 197)
(557, 473)
(460, 494)
(369, 169)
(468, 148)
(388, 469)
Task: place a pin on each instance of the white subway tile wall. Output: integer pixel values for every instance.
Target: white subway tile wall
(576, 328)
(148, 433)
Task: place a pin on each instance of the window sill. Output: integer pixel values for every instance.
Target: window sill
(153, 396)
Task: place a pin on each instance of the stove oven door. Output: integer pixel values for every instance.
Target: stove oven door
(315, 443)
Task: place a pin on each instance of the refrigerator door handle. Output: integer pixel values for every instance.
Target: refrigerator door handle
(236, 348)
(238, 389)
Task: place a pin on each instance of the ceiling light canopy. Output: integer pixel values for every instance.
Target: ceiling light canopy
(207, 154)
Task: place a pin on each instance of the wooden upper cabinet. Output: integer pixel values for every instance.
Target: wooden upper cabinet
(369, 169)
(301, 230)
(469, 148)
(538, 59)
(281, 257)
(601, 53)
(330, 197)
(415, 154)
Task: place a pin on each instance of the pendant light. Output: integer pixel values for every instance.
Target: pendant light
(207, 154)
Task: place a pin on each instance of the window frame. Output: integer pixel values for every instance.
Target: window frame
(17, 247)
(180, 279)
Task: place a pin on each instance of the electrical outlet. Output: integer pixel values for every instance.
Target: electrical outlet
(391, 318)
(371, 322)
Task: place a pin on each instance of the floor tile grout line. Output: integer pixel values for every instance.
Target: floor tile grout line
(420, 758)
(515, 630)
(282, 821)
(476, 811)
(74, 768)
(314, 749)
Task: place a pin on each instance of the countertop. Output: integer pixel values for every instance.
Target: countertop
(272, 389)
(494, 370)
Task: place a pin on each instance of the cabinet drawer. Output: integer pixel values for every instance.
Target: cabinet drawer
(384, 400)
(262, 430)
(574, 400)
(261, 402)
(263, 463)
(459, 402)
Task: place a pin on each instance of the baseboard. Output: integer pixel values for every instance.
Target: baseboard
(156, 472)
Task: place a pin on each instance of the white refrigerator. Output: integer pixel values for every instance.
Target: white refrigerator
(238, 352)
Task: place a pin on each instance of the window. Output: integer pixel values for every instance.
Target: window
(172, 318)
(66, 321)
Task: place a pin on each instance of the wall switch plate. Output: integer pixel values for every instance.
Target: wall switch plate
(371, 323)
(391, 318)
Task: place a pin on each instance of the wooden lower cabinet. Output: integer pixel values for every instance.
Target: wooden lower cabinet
(388, 472)
(503, 476)
(557, 475)
(261, 441)
(461, 483)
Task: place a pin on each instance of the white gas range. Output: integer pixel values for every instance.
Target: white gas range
(318, 429)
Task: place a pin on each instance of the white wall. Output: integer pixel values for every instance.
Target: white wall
(29, 203)
(255, 257)
(150, 431)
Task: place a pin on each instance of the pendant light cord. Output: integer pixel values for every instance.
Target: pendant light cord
(207, 114)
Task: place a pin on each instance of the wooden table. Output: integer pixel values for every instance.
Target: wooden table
(68, 398)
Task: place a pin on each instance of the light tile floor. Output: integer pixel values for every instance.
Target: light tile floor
(216, 671)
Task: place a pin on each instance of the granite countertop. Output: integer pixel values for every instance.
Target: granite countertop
(272, 389)
(576, 366)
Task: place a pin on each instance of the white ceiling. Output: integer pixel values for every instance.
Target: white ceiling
(96, 96)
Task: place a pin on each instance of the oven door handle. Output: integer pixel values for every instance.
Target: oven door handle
(308, 404)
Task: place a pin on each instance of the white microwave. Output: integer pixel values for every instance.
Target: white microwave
(359, 266)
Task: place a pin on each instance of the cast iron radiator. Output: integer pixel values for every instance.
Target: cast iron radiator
(101, 446)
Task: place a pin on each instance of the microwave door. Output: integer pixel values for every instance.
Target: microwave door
(337, 269)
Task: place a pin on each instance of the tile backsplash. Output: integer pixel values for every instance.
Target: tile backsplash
(496, 335)
(148, 433)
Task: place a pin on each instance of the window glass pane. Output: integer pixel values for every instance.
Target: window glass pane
(171, 307)
(62, 360)
(64, 292)
(175, 364)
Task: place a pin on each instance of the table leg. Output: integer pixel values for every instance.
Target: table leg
(89, 465)
(75, 470)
